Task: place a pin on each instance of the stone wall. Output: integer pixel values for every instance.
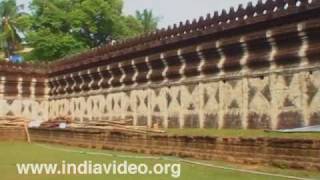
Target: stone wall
(12, 134)
(255, 67)
(289, 153)
(23, 91)
(262, 73)
(274, 100)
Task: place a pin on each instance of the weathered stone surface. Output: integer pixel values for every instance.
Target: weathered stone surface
(220, 72)
(291, 153)
(259, 121)
(12, 134)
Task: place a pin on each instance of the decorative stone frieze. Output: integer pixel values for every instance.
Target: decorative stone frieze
(253, 67)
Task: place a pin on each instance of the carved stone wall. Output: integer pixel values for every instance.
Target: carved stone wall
(254, 67)
(23, 91)
(274, 100)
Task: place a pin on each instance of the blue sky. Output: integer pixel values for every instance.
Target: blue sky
(174, 11)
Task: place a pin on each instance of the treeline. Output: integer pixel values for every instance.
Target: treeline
(50, 29)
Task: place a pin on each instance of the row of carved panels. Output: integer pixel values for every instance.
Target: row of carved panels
(23, 88)
(286, 119)
(264, 96)
(219, 23)
(30, 109)
(233, 54)
(190, 63)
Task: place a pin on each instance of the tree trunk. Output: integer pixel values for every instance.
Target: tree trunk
(8, 47)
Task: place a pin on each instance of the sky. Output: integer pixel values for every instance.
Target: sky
(174, 11)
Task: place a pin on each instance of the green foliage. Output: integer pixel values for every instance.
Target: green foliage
(57, 28)
(12, 26)
(148, 20)
(95, 21)
(127, 27)
(63, 27)
(50, 46)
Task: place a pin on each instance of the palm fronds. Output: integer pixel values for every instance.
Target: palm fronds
(9, 28)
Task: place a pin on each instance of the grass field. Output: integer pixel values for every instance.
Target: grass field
(240, 133)
(19, 152)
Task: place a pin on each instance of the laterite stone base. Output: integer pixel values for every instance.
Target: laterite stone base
(289, 153)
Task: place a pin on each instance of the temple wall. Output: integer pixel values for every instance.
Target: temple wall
(23, 92)
(31, 109)
(252, 67)
(266, 78)
(272, 100)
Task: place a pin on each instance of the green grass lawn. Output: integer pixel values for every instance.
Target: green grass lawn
(19, 152)
(240, 133)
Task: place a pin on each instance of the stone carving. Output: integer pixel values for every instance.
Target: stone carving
(236, 69)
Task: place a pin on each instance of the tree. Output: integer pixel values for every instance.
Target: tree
(148, 20)
(49, 46)
(12, 26)
(68, 26)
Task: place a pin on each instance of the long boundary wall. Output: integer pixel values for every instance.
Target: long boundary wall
(289, 153)
(276, 100)
(279, 152)
(252, 67)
